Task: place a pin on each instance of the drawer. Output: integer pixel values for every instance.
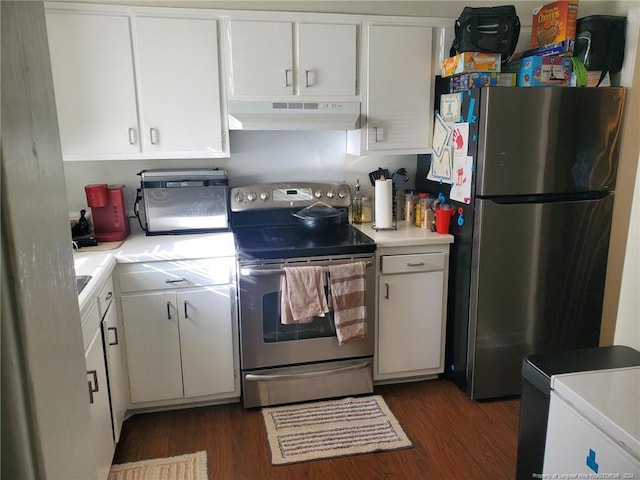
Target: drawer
(415, 262)
(140, 277)
(105, 297)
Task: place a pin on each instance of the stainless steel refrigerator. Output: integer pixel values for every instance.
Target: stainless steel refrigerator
(529, 258)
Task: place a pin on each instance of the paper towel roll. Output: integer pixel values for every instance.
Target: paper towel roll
(384, 204)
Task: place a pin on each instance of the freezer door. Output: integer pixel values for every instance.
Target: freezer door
(537, 284)
(548, 140)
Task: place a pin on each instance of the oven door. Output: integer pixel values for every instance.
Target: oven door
(265, 342)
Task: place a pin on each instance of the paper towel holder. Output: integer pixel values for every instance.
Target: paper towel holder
(378, 229)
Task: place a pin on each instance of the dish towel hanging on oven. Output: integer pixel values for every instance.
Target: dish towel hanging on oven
(302, 295)
(347, 283)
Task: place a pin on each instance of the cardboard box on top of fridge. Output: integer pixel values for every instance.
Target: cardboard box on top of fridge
(560, 49)
(465, 81)
(541, 71)
(471, 62)
(554, 22)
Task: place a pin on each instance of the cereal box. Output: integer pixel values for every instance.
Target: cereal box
(554, 22)
(465, 81)
(560, 49)
(541, 71)
(471, 62)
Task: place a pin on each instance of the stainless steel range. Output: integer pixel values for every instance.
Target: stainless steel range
(283, 363)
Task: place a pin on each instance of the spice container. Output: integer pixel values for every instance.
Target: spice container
(426, 212)
(410, 207)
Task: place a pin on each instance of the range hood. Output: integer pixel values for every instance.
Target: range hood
(256, 115)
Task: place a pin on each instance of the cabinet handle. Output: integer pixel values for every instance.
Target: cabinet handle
(169, 310)
(306, 78)
(133, 138)
(375, 134)
(286, 77)
(93, 389)
(108, 297)
(386, 295)
(421, 264)
(153, 136)
(115, 333)
(175, 281)
(186, 314)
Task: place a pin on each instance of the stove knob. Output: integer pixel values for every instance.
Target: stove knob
(317, 194)
(342, 193)
(331, 194)
(251, 196)
(264, 196)
(239, 197)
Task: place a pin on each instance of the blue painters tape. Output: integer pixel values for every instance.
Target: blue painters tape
(474, 137)
(471, 117)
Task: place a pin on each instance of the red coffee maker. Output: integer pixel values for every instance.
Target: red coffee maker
(110, 223)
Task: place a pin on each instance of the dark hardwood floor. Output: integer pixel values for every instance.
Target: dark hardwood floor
(453, 437)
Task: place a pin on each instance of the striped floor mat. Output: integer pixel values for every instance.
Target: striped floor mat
(334, 428)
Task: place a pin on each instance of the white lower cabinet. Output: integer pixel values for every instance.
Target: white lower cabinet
(113, 338)
(181, 342)
(411, 314)
(98, 393)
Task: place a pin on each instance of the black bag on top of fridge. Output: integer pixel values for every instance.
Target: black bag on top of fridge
(488, 30)
(600, 41)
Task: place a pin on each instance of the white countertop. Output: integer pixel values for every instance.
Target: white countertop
(405, 235)
(141, 248)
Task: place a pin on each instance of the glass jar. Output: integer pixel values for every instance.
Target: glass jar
(361, 210)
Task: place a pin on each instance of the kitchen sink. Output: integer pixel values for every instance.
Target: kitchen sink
(81, 282)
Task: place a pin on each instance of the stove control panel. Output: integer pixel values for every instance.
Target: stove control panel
(289, 195)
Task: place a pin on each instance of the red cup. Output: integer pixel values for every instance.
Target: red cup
(96, 195)
(443, 219)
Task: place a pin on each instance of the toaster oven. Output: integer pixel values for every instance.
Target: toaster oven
(180, 201)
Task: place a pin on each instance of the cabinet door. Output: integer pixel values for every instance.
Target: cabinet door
(100, 410)
(327, 59)
(153, 346)
(410, 322)
(399, 97)
(113, 343)
(92, 67)
(179, 85)
(206, 336)
(261, 58)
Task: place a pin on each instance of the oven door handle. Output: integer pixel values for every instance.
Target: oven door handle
(259, 272)
(252, 377)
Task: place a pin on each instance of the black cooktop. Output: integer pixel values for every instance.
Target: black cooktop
(293, 241)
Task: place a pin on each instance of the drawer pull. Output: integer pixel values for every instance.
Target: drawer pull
(421, 264)
(115, 333)
(93, 388)
(386, 295)
(175, 281)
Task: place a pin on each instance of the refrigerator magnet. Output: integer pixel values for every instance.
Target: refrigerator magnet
(451, 107)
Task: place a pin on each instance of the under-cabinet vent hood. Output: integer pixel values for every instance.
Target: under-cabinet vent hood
(254, 115)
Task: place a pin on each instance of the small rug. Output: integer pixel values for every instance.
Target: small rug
(192, 466)
(334, 428)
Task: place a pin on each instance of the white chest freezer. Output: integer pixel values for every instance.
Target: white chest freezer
(594, 424)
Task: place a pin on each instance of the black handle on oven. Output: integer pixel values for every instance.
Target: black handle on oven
(259, 272)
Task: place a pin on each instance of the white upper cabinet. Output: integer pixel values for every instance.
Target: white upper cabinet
(179, 85)
(92, 66)
(399, 100)
(327, 59)
(136, 83)
(291, 59)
